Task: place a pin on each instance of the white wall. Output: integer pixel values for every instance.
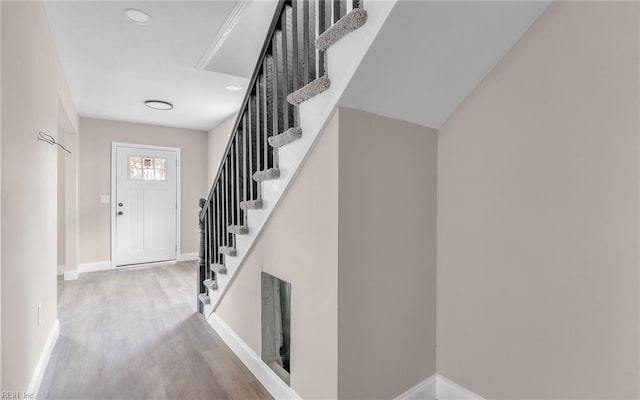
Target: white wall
(33, 79)
(95, 179)
(538, 212)
(218, 138)
(387, 255)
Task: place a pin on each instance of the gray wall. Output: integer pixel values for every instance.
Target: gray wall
(538, 180)
(95, 179)
(387, 255)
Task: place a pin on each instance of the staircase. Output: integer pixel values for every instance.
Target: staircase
(288, 101)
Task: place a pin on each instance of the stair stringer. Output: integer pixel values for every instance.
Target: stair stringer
(343, 59)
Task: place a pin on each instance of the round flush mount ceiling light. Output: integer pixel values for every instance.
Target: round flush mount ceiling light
(159, 105)
(233, 88)
(136, 16)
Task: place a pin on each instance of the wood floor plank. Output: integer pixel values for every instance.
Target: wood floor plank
(134, 334)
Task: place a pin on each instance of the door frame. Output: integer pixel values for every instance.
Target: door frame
(114, 156)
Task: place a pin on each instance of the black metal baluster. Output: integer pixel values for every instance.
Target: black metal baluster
(295, 46)
(214, 223)
(206, 244)
(309, 34)
(279, 98)
(229, 198)
(238, 196)
(219, 220)
(212, 235)
(290, 67)
(339, 9)
(268, 107)
(226, 208)
(324, 22)
(232, 193)
(246, 172)
(251, 161)
(200, 288)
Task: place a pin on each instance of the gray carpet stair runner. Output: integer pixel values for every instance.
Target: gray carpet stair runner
(219, 268)
(349, 23)
(228, 251)
(251, 204)
(266, 175)
(210, 284)
(309, 91)
(286, 137)
(238, 229)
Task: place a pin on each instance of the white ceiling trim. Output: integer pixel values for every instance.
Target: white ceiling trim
(223, 34)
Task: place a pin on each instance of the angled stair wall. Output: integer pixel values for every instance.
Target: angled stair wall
(273, 136)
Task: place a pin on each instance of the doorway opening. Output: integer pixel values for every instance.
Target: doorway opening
(276, 325)
(145, 204)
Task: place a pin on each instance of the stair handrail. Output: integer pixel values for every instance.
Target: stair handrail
(280, 82)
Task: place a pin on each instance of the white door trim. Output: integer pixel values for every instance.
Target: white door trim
(114, 147)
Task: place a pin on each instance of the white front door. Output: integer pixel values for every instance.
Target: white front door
(145, 205)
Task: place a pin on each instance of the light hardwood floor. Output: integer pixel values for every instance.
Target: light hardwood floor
(133, 334)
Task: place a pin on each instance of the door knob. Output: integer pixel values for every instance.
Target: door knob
(120, 213)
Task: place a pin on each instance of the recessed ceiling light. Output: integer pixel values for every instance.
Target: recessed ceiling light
(159, 105)
(136, 16)
(233, 88)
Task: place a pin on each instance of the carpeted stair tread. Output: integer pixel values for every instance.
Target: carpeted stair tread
(288, 136)
(228, 251)
(210, 284)
(309, 91)
(238, 229)
(266, 175)
(251, 204)
(347, 24)
(204, 299)
(219, 268)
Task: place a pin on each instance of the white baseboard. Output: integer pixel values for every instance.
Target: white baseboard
(189, 256)
(61, 269)
(41, 367)
(71, 274)
(425, 390)
(272, 382)
(437, 387)
(449, 390)
(94, 266)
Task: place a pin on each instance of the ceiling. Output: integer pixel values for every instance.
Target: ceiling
(429, 56)
(113, 65)
(249, 32)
